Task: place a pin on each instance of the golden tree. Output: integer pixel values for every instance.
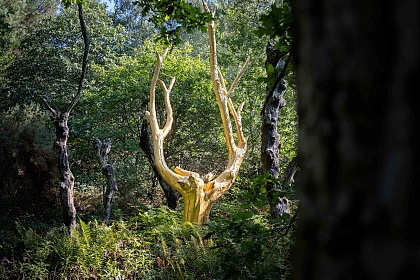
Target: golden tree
(199, 192)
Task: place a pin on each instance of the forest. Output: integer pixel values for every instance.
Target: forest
(209, 139)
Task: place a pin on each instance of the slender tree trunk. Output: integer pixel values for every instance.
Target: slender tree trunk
(357, 69)
(102, 149)
(146, 145)
(270, 138)
(62, 133)
(66, 176)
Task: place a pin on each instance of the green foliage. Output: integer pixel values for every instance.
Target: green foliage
(243, 245)
(288, 126)
(68, 3)
(26, 157)
(18, 18)
(155, 244)
(277, 24)
(116, 97)
(256, 194)
(91, 250)
(170, 16)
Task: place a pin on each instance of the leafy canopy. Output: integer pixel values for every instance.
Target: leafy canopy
(68, 3)
(170, 16)
(277, 25)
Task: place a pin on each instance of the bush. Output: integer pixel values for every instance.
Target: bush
(27, 164)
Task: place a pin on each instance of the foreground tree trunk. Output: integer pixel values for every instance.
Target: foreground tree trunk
(199, 193)
(102, 149)
(146, 145)
(357, 68)
(270, 138)
(62, 130)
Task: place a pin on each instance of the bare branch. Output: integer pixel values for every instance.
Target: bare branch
(186, 173)
(151, 114)
(85, 59)
(222, 80)
(238, 122)
(207, 9)
(172, 178)
(238, 77)
(205, 6)
(53, 112)
(168, 107)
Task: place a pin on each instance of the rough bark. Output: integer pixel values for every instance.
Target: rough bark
(199, 192)
(270, 138)
(66, 176)
(102, 149)
(60, 121)
(357, 73)
(146, 145)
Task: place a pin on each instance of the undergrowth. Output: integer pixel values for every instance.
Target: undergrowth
(156, 244)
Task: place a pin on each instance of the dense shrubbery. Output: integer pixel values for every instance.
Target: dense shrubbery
(143, 242)
(155, 244)
(27, 165)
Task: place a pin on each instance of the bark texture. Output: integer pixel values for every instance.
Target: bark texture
(146, 145)
(270, 138)
(66, 176)
(102, 149)
(357, 69)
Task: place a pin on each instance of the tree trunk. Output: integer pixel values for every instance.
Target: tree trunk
(62, 133)
(196, 206)
(146, 145)
(66, 176)
(357, 70)
(270, 138)
(102, 149)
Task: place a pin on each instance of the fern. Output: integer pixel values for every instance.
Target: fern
(86, 232)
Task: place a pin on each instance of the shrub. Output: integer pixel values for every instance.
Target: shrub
(27, 164)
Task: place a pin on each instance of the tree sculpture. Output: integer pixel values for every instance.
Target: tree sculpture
(199, 192)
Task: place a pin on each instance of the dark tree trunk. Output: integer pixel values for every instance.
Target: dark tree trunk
(270, 138)
(357, 70)
(62, 133)
(103, 148)
(146, 145)
(66, 176)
